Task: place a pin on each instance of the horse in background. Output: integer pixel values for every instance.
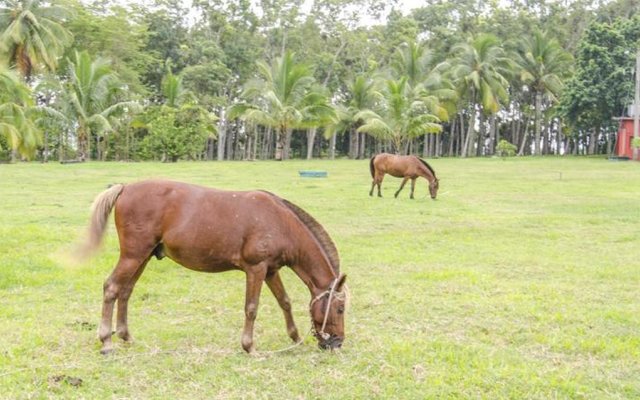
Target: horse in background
(406, 167)
(212, 230)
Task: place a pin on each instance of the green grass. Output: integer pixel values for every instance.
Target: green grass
(520, 281)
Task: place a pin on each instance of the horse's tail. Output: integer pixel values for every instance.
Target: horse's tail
(371, 167)
(101, 209)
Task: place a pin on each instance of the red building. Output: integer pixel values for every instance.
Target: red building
(625, 136)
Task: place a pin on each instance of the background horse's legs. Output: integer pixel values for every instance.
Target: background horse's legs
(122, 327)
(124, 271)
(377, 180)
(404, 180)
(277, 288)
(255, 276)
(373, 185)
(413, 187)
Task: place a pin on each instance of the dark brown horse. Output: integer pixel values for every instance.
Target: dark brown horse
(406, 167)
(212, 231)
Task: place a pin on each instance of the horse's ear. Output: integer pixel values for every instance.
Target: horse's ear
(341, 280)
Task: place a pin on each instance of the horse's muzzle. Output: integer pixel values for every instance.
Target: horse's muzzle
(334, 342)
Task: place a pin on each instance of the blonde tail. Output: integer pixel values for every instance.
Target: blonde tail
(101, 209)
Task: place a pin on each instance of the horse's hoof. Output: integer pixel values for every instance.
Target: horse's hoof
(125, 336)
(250, 350)
(294, 336)
(106, 351)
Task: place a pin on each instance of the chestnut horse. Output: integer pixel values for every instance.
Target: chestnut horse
(406, 167)
(212, 230)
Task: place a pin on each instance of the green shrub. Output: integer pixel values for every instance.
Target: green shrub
(505, 149)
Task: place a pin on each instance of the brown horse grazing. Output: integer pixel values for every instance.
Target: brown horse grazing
(406, 167)
(212, 231)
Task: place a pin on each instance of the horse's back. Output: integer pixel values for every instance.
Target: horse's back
(396, 165)
(199, 227)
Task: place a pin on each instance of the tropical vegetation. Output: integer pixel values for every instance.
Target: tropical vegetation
(275, 80)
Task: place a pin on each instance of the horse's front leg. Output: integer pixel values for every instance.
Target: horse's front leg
(277, 288)
(413, 187)
(255, 276)
(404, 180)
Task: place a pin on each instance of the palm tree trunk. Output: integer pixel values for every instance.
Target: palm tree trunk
(286, 148)
(311, 137)
(468, 143)
(481, 135)
(546, 138)
(280, 134)
(332, 147)
(45, 153)
(362, 141)
(461, 137)
(229, 142)
(61, 144)
(524, 137)
(592, 140)
(222, 135)
(267, 145)
(425, 145)
(492, 135)
(353, 140)
(538, 107)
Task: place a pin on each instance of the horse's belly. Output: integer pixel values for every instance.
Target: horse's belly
(198, 260)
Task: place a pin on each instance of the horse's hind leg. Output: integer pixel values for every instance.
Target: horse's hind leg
(122, 327)
(377, 180)
(413, 187)
(404, 180)
(114, 287)
(277, 288)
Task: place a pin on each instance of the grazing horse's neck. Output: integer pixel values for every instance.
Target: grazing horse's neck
(426, 173)
(315, 271)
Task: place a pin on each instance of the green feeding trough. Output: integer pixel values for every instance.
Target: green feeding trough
(313, 174)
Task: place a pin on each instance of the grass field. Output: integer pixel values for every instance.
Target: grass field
(521, 281)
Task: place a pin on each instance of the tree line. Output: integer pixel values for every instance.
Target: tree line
(275, 79)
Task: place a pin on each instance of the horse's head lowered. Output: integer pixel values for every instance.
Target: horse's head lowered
(327, 315)
(433, 187)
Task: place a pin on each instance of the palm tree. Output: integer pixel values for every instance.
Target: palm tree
(16, 109)
(173, 90)
(425, 81)
(542, 62)
(400, 117)
(91, 95)
(283, 98)
(361, 95)
(32, 34)
(317, 112)
(480, 68)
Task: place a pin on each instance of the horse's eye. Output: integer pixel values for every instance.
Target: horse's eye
(341, 310)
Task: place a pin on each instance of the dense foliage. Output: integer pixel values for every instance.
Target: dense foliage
(276, 79)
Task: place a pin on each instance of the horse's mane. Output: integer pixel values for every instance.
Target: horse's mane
(428, 166)
(322, 237)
